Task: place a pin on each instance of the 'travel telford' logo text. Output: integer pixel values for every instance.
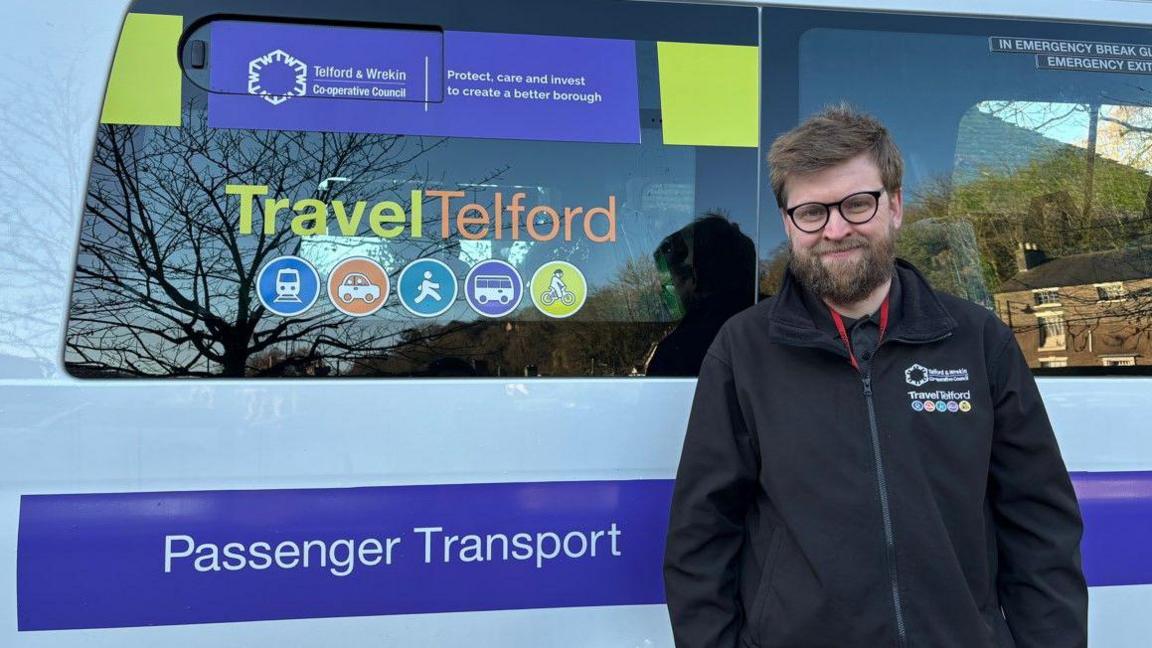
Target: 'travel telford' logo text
(508, 217)
(941, 395)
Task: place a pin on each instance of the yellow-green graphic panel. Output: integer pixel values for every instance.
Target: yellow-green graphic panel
(145, 84)
(709, 94)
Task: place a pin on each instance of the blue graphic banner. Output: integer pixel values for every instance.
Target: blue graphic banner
(137, 559)
(269, 76)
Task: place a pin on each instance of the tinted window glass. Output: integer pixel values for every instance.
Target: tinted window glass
(327, 243)
(1027, 163)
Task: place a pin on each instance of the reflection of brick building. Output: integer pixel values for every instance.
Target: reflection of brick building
(1082, 310)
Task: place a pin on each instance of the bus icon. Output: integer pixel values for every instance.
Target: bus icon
(498, 288)
(493, 288)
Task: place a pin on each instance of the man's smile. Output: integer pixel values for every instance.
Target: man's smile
(841, 254)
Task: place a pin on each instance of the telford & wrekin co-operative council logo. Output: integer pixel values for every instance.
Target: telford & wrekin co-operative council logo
(289, 77)
(918, 375)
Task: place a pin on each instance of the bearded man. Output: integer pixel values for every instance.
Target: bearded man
(868, 462)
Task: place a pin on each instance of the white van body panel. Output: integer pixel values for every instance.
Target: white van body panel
(59, 434)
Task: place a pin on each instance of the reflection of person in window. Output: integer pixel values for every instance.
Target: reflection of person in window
(712, 268)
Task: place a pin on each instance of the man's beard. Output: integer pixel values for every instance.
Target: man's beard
(848, 281)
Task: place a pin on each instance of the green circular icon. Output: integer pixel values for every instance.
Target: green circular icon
(558, 289)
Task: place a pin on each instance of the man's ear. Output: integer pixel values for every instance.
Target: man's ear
(896, 206)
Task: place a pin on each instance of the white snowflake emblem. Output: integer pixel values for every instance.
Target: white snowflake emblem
(277, 57)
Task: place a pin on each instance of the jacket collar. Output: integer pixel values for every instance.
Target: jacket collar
(918, 316)
(822, 315)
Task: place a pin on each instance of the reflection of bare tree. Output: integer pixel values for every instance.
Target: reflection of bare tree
(42, 155)
(1126, 135)
(165, 281)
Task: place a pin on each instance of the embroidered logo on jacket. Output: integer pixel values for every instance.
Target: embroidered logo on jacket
(942, 401)
(918, 375)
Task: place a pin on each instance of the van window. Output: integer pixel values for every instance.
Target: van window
(480, 198)
(1027, 154)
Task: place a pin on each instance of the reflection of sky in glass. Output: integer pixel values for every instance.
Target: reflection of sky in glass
(473, 252)
(324, 252)
(1064, 122)
(1121, 130)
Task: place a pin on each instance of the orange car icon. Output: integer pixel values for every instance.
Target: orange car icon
(357, 286)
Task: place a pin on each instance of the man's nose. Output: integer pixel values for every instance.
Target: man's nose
(836, 228)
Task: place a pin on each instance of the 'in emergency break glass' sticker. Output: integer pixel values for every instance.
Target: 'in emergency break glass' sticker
(268, 76)
(1078, 56)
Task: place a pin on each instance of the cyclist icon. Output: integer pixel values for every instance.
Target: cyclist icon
(557, 291)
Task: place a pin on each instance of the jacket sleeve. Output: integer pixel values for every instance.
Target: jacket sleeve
(714, 490)
(1038, 527)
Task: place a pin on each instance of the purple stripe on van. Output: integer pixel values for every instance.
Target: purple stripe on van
(138, 559)
(1117, 510)
(141, 559)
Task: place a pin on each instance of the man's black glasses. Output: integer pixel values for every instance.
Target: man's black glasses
(859, 208)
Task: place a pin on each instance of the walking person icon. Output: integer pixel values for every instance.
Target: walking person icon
(428, 288)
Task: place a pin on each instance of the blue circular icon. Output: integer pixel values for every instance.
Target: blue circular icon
(918, 406)
(427, 287)
(953, 406)
(941, 406)
(288, 285)
(493, 288)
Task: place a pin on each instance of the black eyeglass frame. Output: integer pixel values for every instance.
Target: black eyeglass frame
(791, 211)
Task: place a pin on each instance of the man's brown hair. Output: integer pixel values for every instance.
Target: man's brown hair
(836, 135)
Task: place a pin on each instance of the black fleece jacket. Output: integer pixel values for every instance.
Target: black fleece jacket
(923, 502)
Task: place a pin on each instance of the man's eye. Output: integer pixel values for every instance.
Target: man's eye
(814, 212)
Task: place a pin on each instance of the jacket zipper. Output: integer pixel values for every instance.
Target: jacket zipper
(882, 485)
(882, 482)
